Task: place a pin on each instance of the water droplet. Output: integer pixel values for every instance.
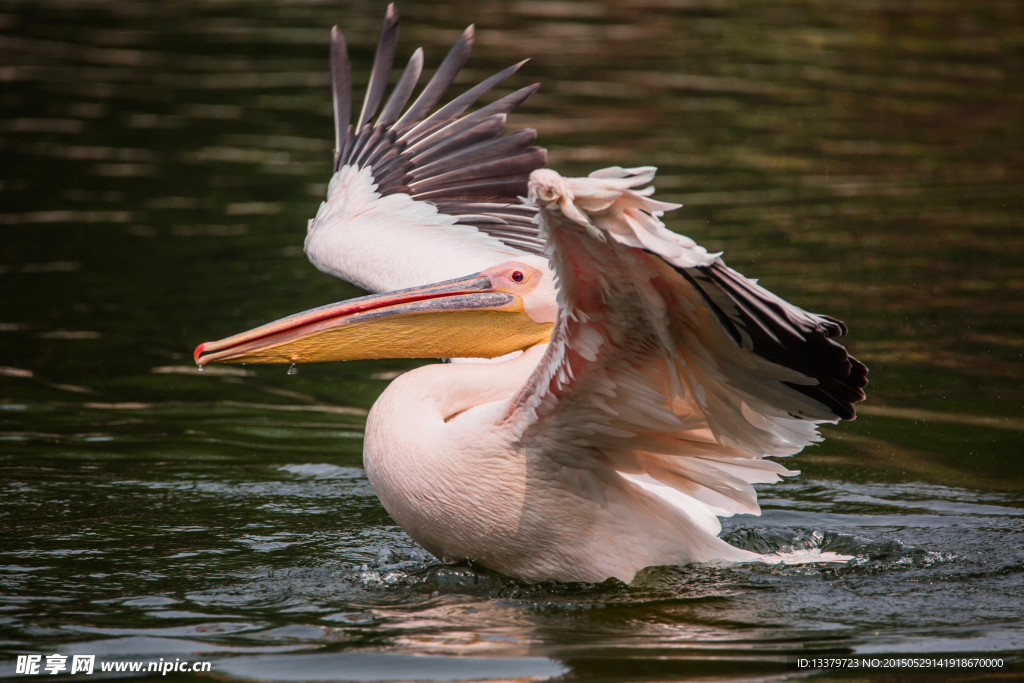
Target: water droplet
(293, 370)
(200, 368)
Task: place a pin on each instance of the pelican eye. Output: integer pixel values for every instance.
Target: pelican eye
(518, 276)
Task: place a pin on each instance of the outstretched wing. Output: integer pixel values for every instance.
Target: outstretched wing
(666, 368)
(429, 194)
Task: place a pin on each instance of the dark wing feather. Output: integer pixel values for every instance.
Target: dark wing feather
(403, 90)
(467, 156)
(382, 63)
(460, 162)
(341, 90)
(441, 81)
(503, 167)
(786, 335)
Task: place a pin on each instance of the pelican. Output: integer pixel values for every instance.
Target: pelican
(614, 388)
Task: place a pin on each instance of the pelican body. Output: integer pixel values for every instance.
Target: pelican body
(614, 389)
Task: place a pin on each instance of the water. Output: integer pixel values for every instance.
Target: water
(160, 163)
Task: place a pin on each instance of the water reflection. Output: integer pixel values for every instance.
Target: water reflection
(161, 161)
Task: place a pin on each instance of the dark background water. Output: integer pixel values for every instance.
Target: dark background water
(159, 163)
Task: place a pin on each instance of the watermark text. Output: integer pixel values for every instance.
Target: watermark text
(86, 664)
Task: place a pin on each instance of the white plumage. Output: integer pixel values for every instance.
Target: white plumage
(384, 243)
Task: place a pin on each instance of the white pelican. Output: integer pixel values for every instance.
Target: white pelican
(639, 384)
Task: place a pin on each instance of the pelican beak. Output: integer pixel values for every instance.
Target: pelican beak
(464, 318)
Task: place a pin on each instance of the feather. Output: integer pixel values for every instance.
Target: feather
(382, 62)
(440, 82)
(341, 91)
(502, 106)
(504, 167)
(456, 107)
(474, 154)
(403, 90)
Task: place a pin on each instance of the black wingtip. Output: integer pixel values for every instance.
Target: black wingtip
(858, 373)
(786, 335)
(840, 329)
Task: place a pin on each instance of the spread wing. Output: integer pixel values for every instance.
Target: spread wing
(667, 369)
(422, 193)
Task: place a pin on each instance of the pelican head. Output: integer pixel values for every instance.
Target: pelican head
(505, 308)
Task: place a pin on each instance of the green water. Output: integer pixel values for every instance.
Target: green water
(158, 163)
